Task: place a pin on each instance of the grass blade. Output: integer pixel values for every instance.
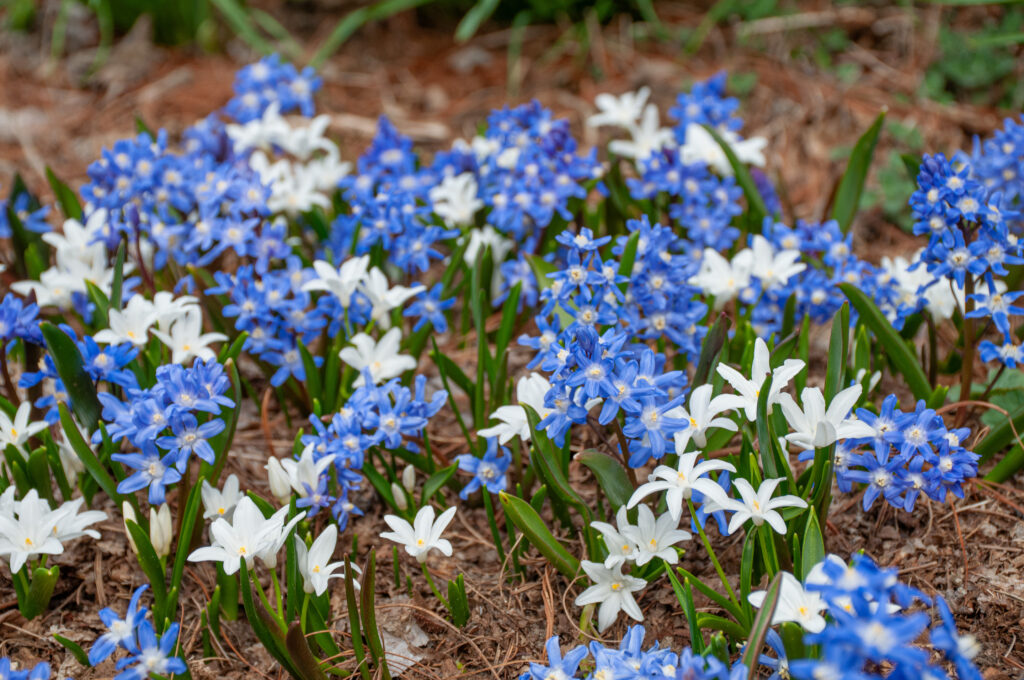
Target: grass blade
(851, 186)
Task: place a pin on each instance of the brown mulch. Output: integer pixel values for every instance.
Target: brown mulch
(435, 91)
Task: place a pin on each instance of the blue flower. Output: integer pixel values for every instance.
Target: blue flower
(152, 655)
(488, 471)
(151, 471)
(120, 631)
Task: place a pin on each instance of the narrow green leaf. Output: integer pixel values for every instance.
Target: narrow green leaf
(66, 198)
(901, 356)
(435, 482)
(117, 284)
(762, 623)
(75, 649)
(477, 14)
(151, 566)
(610, 475)
(628, 259)
(458, 602)
(71, 369)
(713, 343)
(302, 656)
(835, 371)
(813, 547)
(313, 384)
(685, 599)
(85, 454)
(367, 593)
(354, 625)
(536, 531)
(851, 186)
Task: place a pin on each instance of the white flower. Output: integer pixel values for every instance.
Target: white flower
(773, 268)
(795, 604)
(757, 506)
(530, 391)
(702, 416)
(720, 278)
(655, 538)
(160, 529)
(648, 137)
(484, 237)
(613, 590)
(19, 431)
(814, 426)
(248, 535)
(220, 503)
(455, 200)
(750, 389)
(622, 111)
(280, 483)
(423, 535)
(72, 524)
(680, 483)
(384, 298)
(304, 473)
(27, 530)
(186, 338)
(381, 358)
(341, 282)
(168, 309)
(620, 548)
(701, 147)
(129, 325)
(315, 562)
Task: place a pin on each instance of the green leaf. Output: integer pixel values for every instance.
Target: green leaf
(546, 458)
(268, 635)
(537, 533)
(435, 482)
(313, 387)
(71, 369)
(242, 25)
(151, 567)
(610, 475)
(913, 165)
(628, 259)
(66, 198)
(541, 268)
(851, 186)
(85, 454)
(367, 591)
(685, 599)
(117, 285)
(713, 343)
(189, 518)
(813, 548)
(76, 650)
(354, 625)
(755, 203)
(458, 602)
(302, 656)
(762, 622)
(901, 356)
(39, 593)
(835, 372)
(471, 21)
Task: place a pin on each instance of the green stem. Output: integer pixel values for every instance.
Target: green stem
(433, 586)
(711, 554)
(277, 590)
(768, 546)
(302, 614)
(266, 603)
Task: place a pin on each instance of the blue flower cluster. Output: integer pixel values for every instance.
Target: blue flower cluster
(911, 453)
(389, 208)
(149, 655)
(375, 415)
(19, 321)
(271, 81)
(110, 365)
(872, 627)
(274, 311)
(488, 472)
(966, 206)
(167, 424)
(632, 662)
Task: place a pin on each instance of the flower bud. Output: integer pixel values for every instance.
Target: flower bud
(160, 530)
(129, 514)
(280, 485)
(400, 500)
(409, 478)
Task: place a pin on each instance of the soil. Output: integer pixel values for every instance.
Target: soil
(971, 552)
